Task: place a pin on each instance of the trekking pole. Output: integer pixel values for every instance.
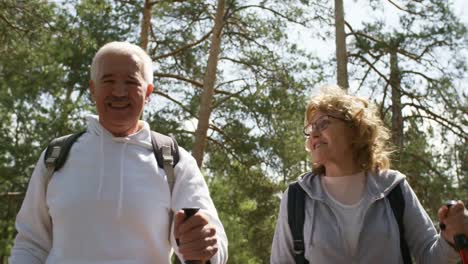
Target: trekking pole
(461, 241)
(464, 251)
(189, 212)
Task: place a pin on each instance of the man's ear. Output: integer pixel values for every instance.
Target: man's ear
(149, 90)
(92, 90)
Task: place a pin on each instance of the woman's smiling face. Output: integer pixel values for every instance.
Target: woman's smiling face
(330, 139)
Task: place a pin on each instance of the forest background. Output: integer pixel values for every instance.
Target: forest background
(233, 78)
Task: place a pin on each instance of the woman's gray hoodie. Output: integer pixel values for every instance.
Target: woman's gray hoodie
(379, 236)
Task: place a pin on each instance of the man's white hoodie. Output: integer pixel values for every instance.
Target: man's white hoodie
(109, 204)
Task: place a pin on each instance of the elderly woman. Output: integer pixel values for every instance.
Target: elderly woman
(347, 214)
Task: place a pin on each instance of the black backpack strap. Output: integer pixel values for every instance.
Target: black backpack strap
(397, 202)
(58, 149)
(56, 154)
(158, 141)
(296, 216)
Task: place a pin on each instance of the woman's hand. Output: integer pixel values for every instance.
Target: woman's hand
(455, 220)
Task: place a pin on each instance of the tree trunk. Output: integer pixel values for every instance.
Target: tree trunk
(340, 41)
(145, 24)
(397, 117)
(208, 86)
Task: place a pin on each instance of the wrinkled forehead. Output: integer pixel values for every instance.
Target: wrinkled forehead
(120, 64)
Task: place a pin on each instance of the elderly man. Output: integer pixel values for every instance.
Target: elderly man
(109, 203)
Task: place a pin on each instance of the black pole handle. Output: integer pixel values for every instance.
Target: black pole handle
(189, 212)
(463, 252)
(449, 204)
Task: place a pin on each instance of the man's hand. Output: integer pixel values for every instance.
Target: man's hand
(455, 220)
(196, 237)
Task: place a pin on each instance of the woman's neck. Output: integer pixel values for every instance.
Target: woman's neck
(346, 189)
(343, 169)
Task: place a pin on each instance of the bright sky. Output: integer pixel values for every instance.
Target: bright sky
(357, 12)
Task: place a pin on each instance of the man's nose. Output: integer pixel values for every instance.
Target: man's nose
(120, 89)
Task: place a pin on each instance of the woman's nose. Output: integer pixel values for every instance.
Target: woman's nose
(315, 132)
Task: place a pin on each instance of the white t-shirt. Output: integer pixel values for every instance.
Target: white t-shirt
(348, 197)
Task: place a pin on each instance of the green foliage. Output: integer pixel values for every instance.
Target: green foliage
(427, 41)
(246, 200)
(429, 178)
(255, 143)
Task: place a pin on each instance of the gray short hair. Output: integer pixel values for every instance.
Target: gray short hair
(123, 48)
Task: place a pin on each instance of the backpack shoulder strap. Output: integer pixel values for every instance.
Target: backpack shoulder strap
(56, 154)
(397, 202)
(296, 216)
(166, 151)
(57, 151)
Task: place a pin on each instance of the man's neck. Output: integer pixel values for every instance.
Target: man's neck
(125, 132)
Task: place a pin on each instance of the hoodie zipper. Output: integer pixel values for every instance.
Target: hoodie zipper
(362, 223)
(340, 231)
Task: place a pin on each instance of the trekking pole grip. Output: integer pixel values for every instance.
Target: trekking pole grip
(189, 212)
(462, 251)
(448, 204)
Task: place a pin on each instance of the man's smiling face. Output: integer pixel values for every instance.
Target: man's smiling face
(120, 92)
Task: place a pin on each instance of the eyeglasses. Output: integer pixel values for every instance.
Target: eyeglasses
(320, 124)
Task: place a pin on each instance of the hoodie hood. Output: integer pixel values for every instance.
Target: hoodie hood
(378, 184)
(142, 137)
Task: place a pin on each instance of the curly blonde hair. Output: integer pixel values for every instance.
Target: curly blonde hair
(371, 146)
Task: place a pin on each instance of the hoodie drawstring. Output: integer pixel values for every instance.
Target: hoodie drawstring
(142, 140)
(122, 160)
(312, 224)
(101, 167)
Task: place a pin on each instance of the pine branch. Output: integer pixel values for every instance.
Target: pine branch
(420, 74)
(180, 78)
(382, 112)
(360, 34)
(188, 46)
(367, 73)
(220, 102)
(370, 65)
(452, 126)
(174, 101)
(407, 10)
(11, 24)
(427, 49)
(228, 82)
(304, 23)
